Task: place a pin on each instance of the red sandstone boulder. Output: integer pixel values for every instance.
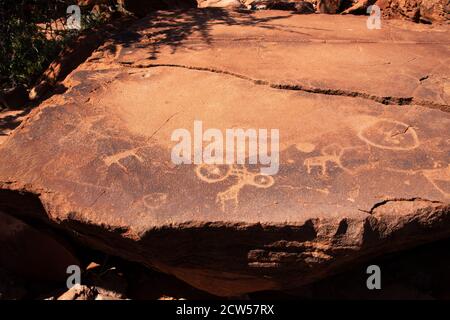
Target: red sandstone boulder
(364, 126)
(32, 254)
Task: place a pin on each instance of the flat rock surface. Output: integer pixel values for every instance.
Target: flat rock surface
(364, 126)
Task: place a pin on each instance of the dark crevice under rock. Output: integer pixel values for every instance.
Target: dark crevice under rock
(417, 273)
(288, 241)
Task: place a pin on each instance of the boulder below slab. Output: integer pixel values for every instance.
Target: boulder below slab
(364, 164)
(11, 287)
(32, 254)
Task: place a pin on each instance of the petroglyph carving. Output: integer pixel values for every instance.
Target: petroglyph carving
(331, 153)
(116, 158)
(155, 200)
(390, 134)
(384, 134)
(438, 178)
(215, 173)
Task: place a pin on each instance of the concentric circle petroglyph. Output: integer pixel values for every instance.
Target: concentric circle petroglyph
(216, 173)
(212, 173)
(390, 134)
(155, 200)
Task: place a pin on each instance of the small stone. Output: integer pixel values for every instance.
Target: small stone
(79, 292)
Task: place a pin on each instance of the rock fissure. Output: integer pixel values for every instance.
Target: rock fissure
(386, 100)
(386, 201)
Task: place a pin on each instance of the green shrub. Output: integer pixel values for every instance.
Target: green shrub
(29, 40)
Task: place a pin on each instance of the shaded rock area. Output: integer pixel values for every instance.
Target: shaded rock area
(14, 98)
(75, 53)
(219, 4)
(364, 128)
(103, 277)
(295, 6)
(9, 120)
(32, 254)
(426, 11)
(418, 274)
(142, 7)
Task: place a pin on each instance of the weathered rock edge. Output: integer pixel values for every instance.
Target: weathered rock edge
(320, 247)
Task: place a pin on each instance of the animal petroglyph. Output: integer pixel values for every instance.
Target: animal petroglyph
(331, 153)
(384, 134)
(390, 134)
(116, 158)
(438, 177)
(215, 173)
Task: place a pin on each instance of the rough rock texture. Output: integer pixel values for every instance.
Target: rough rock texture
(417, 274)
(304, 7)
(79, 292)
(426, 11)
(292, 5)
(364, 147)
(143, 7)
(417, 10)
(360, 7)
(219, 4)
(432, 10)
(328, 6)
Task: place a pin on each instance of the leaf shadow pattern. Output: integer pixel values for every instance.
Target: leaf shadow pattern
(172, 28)
(11, 120)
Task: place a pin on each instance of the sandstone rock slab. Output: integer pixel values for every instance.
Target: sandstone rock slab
(364, 147)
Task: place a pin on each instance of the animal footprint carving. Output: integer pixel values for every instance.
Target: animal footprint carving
(215, 173)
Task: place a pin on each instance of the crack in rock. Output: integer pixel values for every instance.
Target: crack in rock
(386, 201)
(386, 100)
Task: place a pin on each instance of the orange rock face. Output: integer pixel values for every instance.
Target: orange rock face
(364, 124)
